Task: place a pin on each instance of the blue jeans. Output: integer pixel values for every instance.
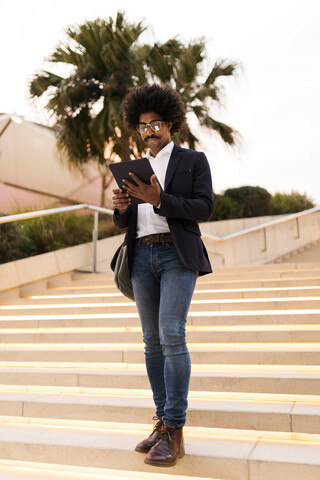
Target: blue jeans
(163, 289)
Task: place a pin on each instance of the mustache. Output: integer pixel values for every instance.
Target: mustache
(150, 136)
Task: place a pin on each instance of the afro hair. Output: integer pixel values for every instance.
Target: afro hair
(160, 99)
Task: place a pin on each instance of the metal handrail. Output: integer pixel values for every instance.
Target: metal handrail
(52, 211)
(261, 226)
(97, 210)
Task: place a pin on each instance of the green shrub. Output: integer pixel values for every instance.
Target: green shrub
(283, 203)
(9, 242)
(255, 201)
(225, 208)
(250, 201)
(45, 234)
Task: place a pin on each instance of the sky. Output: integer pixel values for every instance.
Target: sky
(273, 102)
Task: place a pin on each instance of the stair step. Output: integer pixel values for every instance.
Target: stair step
(227, 333)
(261, 269)
(18, 470)
(220, 453)
(199, 293)
(264, 275)
(252, 317)
(277, 379)
(219, 274)
(206, 409)
(269, 353)
(126, 306)
(205, 283)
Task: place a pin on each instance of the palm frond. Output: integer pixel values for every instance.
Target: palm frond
(185, 136)
(40, 83)
(228, 134)
(221, 68)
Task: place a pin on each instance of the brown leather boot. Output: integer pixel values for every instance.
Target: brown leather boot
(169, 448)
(148, 443)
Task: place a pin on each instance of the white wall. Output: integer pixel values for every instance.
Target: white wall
(225, 227)
(252, 248)
(266, 244)
(30, 161)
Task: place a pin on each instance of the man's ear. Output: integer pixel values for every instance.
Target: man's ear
(169, 126)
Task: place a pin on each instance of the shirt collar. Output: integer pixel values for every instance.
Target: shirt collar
(167, 149)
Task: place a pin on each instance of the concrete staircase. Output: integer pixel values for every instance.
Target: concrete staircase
(75, 399)
(308, 253)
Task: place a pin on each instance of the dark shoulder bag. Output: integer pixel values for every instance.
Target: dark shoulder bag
(119, 265)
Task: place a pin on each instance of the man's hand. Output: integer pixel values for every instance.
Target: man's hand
(148, 193)
(121, 200)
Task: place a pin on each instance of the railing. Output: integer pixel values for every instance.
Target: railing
(52, 211)
(262, 227)
(97, 210)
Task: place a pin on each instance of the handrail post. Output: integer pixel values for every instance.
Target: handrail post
(94, 242)
(264, 240)
(298, 228)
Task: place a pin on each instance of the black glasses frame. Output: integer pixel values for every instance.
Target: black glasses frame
(143, 127)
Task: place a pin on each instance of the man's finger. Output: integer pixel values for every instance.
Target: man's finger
(120, 195)
(135, 178)
(153, 180)
(128, 183)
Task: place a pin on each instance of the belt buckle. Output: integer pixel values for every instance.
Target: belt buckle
(148, 239)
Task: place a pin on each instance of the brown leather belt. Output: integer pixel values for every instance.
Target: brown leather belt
(156, 238)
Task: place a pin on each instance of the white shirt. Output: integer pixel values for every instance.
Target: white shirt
(149, 222)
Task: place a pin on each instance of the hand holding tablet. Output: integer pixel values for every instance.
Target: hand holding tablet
(134, 177)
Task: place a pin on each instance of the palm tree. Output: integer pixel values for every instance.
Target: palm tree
(182, 66)
(106, 61)
(85, 106)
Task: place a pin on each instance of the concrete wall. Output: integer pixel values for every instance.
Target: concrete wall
(267, 244)
(31, 163)
(258, 247)
(42, 267)
(225, 227)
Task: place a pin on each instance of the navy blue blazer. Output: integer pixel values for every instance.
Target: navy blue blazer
(187, 199)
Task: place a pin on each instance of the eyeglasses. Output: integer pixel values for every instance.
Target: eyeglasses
(155, 125)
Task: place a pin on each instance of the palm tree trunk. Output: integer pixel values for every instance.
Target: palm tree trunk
(103, 188)
(125, 149)
(106, 181)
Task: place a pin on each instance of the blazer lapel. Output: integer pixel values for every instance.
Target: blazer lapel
(172, 165)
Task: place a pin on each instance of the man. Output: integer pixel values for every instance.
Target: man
(165, 255)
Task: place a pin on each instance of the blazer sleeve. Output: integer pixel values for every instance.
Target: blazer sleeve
(199, 207)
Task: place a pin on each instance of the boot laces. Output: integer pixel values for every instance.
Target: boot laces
(159, 423)
(167, 435)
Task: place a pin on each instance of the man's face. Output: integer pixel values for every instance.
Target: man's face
(158, 139)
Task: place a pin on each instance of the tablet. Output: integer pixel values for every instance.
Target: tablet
(140, 167)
